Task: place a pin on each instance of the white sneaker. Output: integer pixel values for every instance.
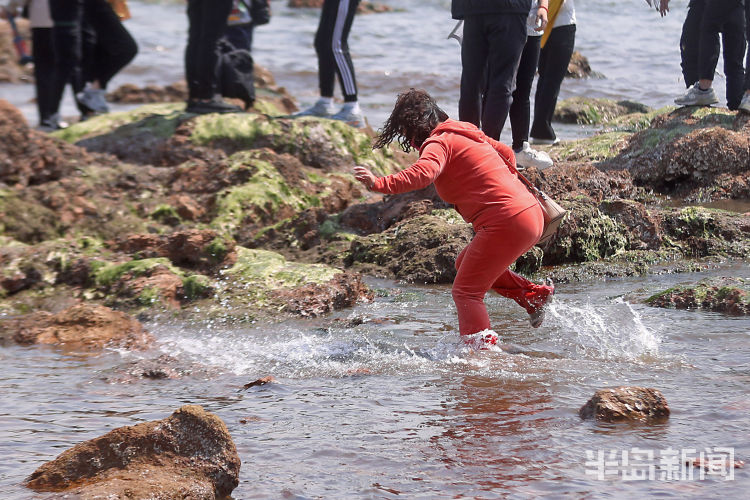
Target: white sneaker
(745, 103)
(697, 97)
(529, 157)
(320, 109)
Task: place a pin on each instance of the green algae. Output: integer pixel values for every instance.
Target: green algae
(270, 270)
(106, 274)
(596, 148)
(260, 197)
(159, 120)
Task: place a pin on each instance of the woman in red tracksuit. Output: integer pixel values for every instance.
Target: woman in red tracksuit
(477, 175)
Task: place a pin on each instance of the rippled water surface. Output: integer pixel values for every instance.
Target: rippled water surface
(396, 407)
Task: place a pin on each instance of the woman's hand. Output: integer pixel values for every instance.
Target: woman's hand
(541, 18)
(363, 175)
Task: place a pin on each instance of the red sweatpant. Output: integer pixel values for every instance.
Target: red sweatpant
(484, 263)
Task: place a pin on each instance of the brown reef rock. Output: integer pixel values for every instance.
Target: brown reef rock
(187, 455)
(626, 403)
(82, 326)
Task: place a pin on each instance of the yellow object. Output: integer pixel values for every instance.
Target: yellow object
(553, 11)
(121, 8)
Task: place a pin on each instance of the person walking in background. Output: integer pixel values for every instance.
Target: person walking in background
(477, 175)
(745, 102)
(520, 109)
(493, 39)
(334, 59)
(43, 53)
(207, 21)
(553, 65)
(107, 49)
(716, 16)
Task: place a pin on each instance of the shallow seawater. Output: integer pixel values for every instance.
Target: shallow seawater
(384, 401)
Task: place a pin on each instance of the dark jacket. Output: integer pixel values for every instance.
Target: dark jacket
(462, 8)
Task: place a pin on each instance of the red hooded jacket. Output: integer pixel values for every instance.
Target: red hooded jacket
(469, 169)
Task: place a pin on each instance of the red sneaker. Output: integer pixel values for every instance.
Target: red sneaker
(536, 318)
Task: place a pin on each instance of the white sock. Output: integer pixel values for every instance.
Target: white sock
(352, 107)
(327, 101)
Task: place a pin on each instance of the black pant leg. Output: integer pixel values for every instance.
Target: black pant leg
(207, 21)
(114, 47)
(507, 37)
(45, 74)
(332, 48)
(553, 64)
(474, 51)
(67, 16)
(733, 43)
(520, 109)
(690, 42)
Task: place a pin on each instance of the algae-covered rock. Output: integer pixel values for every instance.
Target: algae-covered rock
(261, 281)
(594, 111)
(700, 231)
(690, 150)
(727, 295)
(586, 234)
(422, 249)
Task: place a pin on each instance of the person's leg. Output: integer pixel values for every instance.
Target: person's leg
(708, 47)
(745, 102)
(555, 56)
(487, 258)
(473, 63)
(689, 42)
(733, 43)
(324, 46)
(44, 73)
(520, 109)
(208, 20)
(67, 16)
(340, 48)
(506, 38)
(114, 48)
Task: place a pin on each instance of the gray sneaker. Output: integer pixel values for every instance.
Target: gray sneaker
(745, 103)
(94, 99)
(319, 109)
(697, 97)
(356, 120)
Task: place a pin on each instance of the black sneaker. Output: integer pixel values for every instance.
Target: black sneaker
(215, 105)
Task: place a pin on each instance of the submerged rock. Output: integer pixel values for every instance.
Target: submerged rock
(626, 403)
(727, 295)
(82, 326)
(187, 455)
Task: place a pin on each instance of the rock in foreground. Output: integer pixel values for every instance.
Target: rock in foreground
(83, 326)
(626, 403)
(188, 455)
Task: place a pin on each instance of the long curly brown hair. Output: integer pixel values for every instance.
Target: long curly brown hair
(412, 120)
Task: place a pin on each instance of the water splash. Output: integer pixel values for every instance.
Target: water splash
(342, 352)
(611, 330)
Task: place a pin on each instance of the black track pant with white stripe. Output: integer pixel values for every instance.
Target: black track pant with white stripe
(333, 49)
